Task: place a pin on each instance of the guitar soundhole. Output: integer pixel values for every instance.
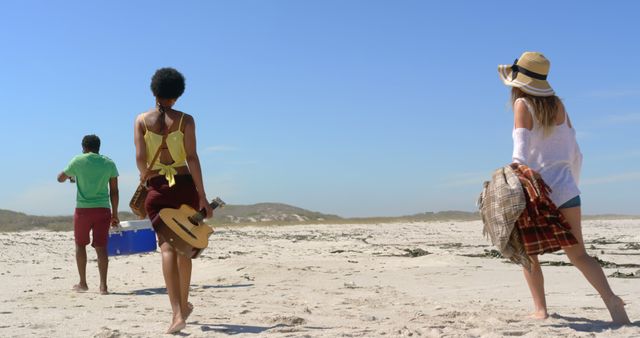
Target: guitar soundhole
(184, 228)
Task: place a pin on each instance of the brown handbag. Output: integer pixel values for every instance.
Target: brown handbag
(140, 195)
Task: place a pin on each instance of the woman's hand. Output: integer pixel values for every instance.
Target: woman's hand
(204, 205)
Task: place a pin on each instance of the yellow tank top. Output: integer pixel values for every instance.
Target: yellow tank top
(175, 144)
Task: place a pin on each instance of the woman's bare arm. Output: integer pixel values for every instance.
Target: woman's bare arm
(193, 161)
(521, 116)
(138, 139)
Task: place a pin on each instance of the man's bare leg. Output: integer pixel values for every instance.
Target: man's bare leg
(81, 262)
(103, 265)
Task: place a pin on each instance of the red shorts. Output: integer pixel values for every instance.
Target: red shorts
(88, 219)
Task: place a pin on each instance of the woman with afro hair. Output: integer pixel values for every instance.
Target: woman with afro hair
(174, 179)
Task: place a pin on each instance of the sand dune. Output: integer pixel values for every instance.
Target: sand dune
(366, 280)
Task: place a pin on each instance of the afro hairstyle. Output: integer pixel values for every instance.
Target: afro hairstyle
(167, 83)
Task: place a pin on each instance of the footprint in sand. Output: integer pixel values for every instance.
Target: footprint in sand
(106, 332)
(287, 320)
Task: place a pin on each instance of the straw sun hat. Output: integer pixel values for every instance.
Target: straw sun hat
(529, 73)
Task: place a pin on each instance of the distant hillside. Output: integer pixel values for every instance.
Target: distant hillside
(446, 215)
(262, 213)
(423, 217)
(13, 221)
(18, 221)
(256, 213)
(268, 212)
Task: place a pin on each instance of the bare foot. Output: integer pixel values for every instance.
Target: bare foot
(80, 288)
(176, 326)
(188, 311)
(104, 291)
(617, 311)
(539, 315)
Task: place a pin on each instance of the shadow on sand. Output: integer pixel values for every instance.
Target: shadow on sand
(231, 329)
(588, 325)
(163, 291)
(222, 286)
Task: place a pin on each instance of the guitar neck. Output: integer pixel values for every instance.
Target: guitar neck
(199, 217)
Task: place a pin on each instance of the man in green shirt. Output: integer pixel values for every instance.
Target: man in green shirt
(96, 180)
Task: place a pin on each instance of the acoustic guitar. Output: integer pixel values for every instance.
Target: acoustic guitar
(185, 230)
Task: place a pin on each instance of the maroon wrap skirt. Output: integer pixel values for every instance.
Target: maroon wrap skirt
(162, 196)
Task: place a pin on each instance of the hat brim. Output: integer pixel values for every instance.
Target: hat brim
(528, 85)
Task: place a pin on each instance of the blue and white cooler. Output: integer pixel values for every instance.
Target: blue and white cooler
(132, 237)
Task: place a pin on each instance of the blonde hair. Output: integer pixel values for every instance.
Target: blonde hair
(546, 108)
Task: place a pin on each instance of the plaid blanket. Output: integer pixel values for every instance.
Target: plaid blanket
(541, 225)
(501, 203)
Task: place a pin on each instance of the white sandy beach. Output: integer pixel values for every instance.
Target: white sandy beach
(316, 281)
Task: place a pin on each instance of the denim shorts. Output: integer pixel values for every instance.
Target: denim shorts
(572, 203)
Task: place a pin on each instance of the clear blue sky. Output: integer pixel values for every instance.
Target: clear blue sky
(357, 108)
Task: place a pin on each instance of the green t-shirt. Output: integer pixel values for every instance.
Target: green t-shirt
(92, 172)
